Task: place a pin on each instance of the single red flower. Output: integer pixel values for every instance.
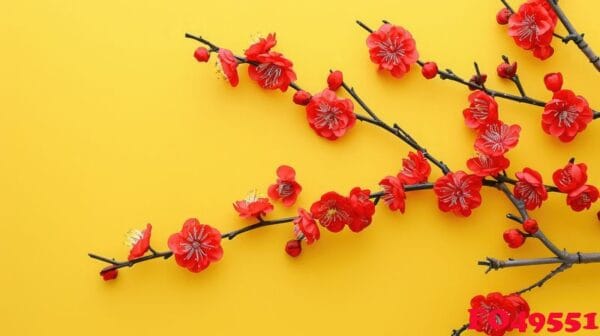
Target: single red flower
(503, 15)
(362, 207)
(196, 245)
(532, 27)
(514, 238)
(531, 226)
(293, 248)
(335, 80)
(571, 177)
(553, 81)
(227, 65)
(429, 70)
(482, 110)
(458, 192)
(139, 241)
(262, 46)
(496, 138)
(329, 116)
(253, 206)
(415, 168)
(392, 48)
(582, 197)
(201, 54)
(495, 313)
(530, 188)
(484, 165)
(507, 70)
(273, 72)
(302, 97)
(566, 115)
(306, 226)
(109, 273)
(286, 188)
(393, 193)
(333, 211)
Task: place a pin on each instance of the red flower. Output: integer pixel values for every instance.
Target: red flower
(263, 46)
(109, 273)
(335, 80)
(286, 188)
(566, 115)
(139, 240)
(495, 314)
(553, 81)
(393, 48)
(531, 226)
(482, 110)
(202, 54)
(415, 168)
(333, 211)
(302, 97)
(293, 248)
(458, 192)
(532, 28)
(484, 165)
(530, 188)
(429, 70)
(582, 197)
(514, 238)
(253, 206)
(393, 193)
(571, 177)
(196, 246)
(306, 226)
(228, 66)
(362, 207)
(273, 72)
(496, 138)
(329, 116)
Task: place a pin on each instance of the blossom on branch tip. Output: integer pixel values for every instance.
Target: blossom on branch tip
(458, 192)
(286, 188)
(566, 115)
(306, 227)
(227, 65)
(482, 110)
(196, 246)
(530, 188)
(582, 198)
(253, 206)
(139, 241)
(571, 177)
(393, 49)
(393, 193)
(532, 28)
(329, 116)
(415, 168)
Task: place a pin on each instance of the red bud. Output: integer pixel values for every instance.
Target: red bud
(202, 54)
(503, 16)
(531, 226)
(293, 248)
(553, 81)
(109, 273)
(429, 70)
(506, 70)
(302, 97)
(335, 80)
(514, 238)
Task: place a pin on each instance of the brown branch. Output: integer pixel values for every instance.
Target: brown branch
(545, 279)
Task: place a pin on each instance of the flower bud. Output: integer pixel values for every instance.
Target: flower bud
(553, 81)
(503, 16)
(293, 248)
(302, 97)
(335, 80)
(477, 80)
(429, 70)
(531, 226)
(598, 215)
(507, 70)
(514, 238)
(202, 54)
(109, 273)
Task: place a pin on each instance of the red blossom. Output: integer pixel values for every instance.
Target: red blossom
(566, 115)
(415, 168)
(484, 165)
(553, 81)
(109, 273)
(335, 80)
(139, 240)
(201, 54)
(273, 72)
(582, 198)
(531, 226)
(293, 248)
(571, 177)
(329, 116)
(530, 188)
(302, 97)
(495, 314)
(228, 66)
(482, 110)
(458, 192)
(362, 208)
(305, 226)
(286, 188)
(392, 48)
(262, 46)
(196, 246)
(496, 138)
(532, 27)
(333, 211)
(253, 206)
(393, 193)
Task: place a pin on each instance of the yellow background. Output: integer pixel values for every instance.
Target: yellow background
(107, 123)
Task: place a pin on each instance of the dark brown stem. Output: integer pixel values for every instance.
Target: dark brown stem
(259, 224)
(545, 279)
(130, 263)
(457, 332)
(574, 36)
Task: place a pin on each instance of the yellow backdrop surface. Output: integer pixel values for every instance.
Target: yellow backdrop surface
(107, 123)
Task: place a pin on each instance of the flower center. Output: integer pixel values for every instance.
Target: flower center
(390, 51)
(494, 136)
(328, 116)
(567, 116)
(285, 189)
(528, 29)
(269, 74)
(194, 246)
(333, 214)
(480, 109)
